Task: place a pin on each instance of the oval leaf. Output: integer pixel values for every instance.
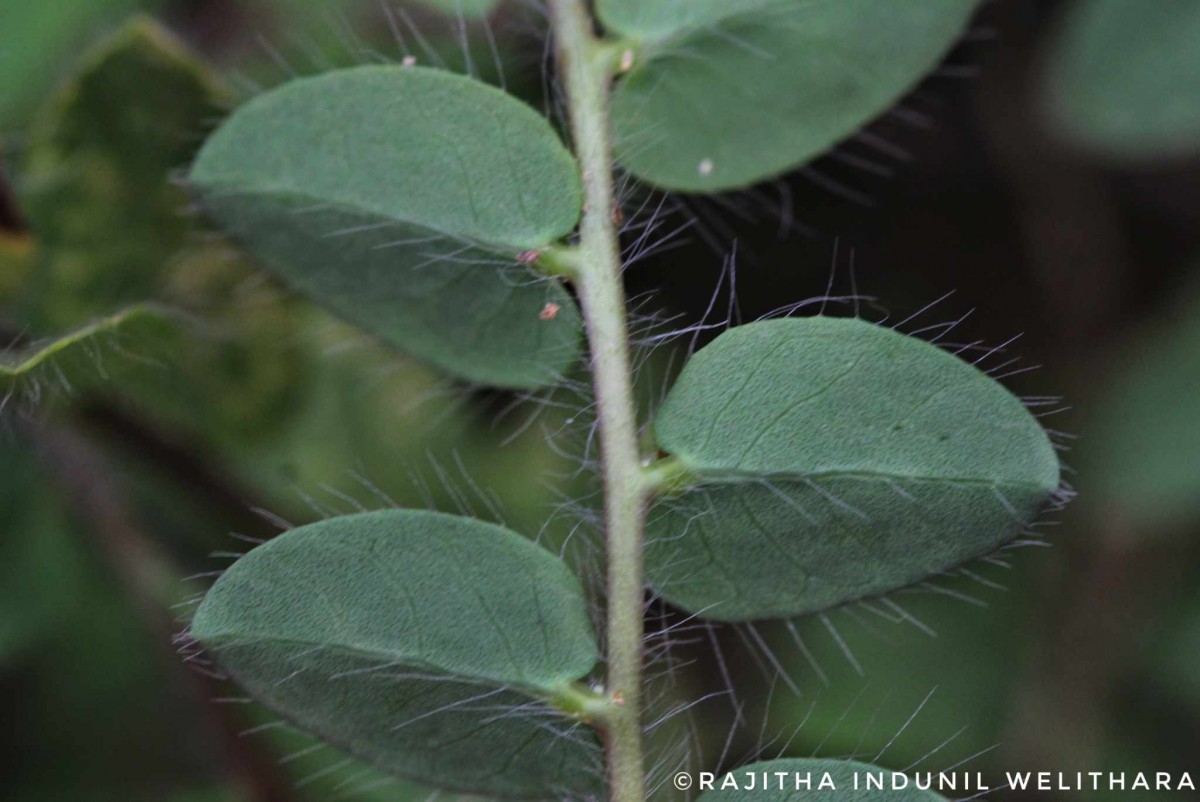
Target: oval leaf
(412, 639)
(726, 93)
(836, 778)
(1125, 78)
(400, 198)
(836, 460)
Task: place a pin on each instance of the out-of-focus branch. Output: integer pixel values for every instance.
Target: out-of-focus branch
(187, 467)
(90, 485)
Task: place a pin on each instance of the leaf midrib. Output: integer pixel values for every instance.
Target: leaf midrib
(216, 642)
(278, 194)
(710, 476)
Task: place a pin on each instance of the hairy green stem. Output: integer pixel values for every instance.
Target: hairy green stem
(587, 66)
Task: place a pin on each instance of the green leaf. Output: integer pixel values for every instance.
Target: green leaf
(726, 93)
(83, 356)
(1142, 457)
(106, 219)
(422, 643)
(401, 199)
(836, 460)
(1124, 80)
(843, 778)
(37, 35)
(111, 231)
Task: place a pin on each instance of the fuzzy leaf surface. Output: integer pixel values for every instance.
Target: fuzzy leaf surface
(420, 642)
(400, 199)
(835, 460)
(88, 355)
(727, 93)
(841, 773)
(1125, 78)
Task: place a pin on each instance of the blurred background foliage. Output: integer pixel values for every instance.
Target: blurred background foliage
(165, 405)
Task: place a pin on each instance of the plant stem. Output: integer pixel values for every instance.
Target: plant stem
(586, 65)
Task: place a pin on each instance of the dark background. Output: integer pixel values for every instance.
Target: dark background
(118, 497)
